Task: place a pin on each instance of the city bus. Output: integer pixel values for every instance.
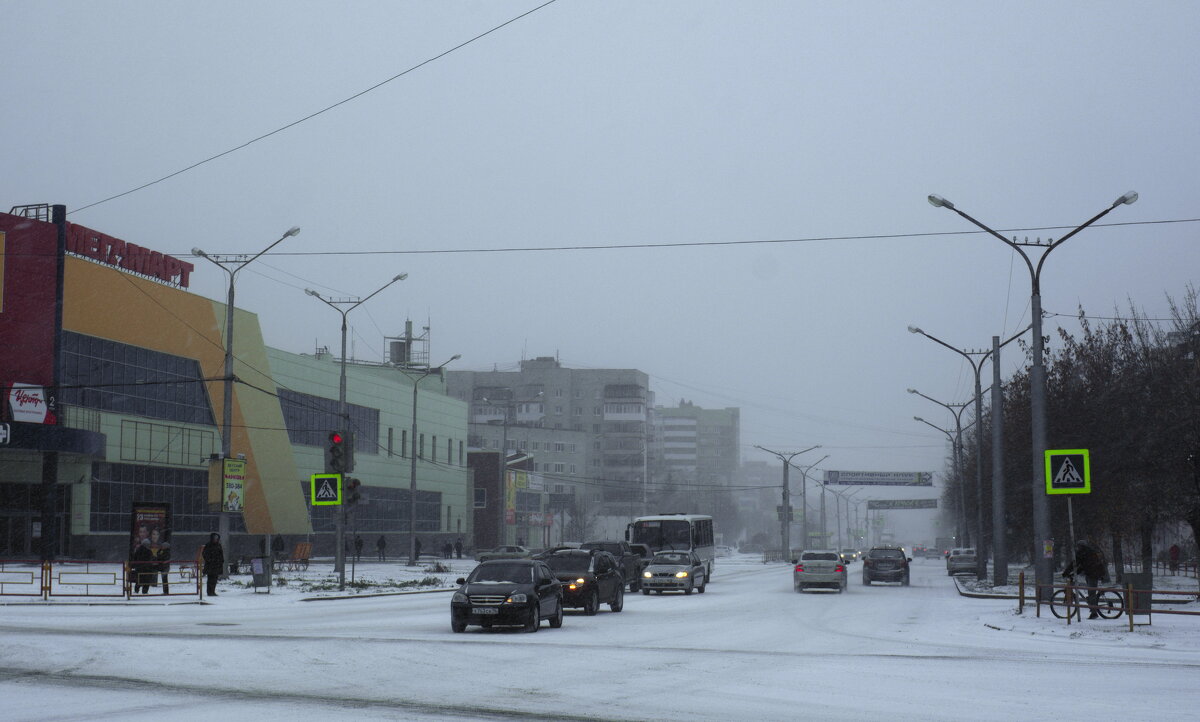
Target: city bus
(676, 532)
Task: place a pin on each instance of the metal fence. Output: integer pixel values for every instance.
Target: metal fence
(1137, 602)
(65, 578)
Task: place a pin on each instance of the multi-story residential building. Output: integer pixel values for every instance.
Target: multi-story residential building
(695, 445)
(586, 429)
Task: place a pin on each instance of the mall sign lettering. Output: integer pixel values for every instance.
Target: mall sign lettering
(114, 252)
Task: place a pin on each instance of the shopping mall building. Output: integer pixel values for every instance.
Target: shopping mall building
(113, 380)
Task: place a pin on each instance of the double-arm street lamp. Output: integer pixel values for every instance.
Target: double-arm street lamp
(412, 457)
(231, 264)
(785, 511)
(976, 359)
(956, 452)
(1044, 562)
(344, 306)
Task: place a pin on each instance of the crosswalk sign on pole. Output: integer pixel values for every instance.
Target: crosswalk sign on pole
(1068, 471)
(326, 489)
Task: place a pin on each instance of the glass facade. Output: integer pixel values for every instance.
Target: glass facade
(124, 379)
(115, 487)
(309, 419)
(385, 510)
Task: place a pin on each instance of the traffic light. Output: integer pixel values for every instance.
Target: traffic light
(352, 493)
(336, 461)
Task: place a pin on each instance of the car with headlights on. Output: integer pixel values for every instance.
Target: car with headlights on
(885, 564)
(849, 555)
(674, 571)
(507, 592)
(819, 568)
(589, 577)
(960, 560)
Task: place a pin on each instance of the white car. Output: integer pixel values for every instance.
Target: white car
(819, 568)
(961, 559)
(674, 571)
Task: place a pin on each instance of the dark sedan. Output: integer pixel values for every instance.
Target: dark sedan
(589, 577)
(508, 592)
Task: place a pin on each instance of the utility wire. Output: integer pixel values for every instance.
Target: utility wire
(310, 116)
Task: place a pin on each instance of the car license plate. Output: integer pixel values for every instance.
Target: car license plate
(484, 610)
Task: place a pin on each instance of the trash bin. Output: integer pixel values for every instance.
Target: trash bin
(1141, 582)
(260, 571)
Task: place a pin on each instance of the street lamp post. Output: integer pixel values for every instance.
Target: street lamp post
(412, 459)
(1043, 563)
(981, 545)
(344, 306)
(785, 514)
(804, 496)
(956, 448)
(231, 264)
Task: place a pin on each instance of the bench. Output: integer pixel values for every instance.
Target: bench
(298, 561)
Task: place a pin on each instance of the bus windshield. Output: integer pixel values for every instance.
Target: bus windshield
(669, 534)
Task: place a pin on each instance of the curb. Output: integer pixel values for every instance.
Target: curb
(379, 594)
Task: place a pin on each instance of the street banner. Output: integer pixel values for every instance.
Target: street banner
(873, 504)
(233, 490)
(879, 478)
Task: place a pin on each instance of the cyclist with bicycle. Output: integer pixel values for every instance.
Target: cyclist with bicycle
(1089, 562)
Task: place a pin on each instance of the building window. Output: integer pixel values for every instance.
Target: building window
(460, 453)
(433, 450)
(480, 498)
(404, 443)
(124, 379)
(309, 419)
(421, 448)
(559, 447)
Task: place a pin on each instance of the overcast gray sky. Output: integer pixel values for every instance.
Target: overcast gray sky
(635, 123)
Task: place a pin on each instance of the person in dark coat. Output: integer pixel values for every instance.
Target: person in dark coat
(458, 547)
(358, 545)
(162, 560)
(277, 547)
(381, 547)
(1173, 558)
(417, 550)
(214, 562)
(1090, 563)
(143, 568)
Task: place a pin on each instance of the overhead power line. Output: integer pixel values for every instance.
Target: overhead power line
(310, 116)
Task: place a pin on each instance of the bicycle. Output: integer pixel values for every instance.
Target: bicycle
(1109, 603)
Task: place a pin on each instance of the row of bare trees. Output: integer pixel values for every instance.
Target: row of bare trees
(1127, 389)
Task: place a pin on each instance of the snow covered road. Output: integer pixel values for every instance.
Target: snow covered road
(750, 648)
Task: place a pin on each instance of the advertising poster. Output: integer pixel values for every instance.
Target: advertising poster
(233, 490)
(149, 521)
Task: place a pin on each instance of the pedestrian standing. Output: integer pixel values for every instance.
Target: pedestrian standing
(381, 546)
(277, 547)
(1173, 558)
(214, 562)
(458, 547)
(417, 550)
(162, 559)
(143, 567)
(447, 550)
(358, 545)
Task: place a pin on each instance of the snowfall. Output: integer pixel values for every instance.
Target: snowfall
(750, 648)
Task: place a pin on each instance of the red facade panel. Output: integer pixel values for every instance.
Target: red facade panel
(28, 299)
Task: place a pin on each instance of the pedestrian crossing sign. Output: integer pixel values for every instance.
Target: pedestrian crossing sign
(1068, 471)
(326, 489)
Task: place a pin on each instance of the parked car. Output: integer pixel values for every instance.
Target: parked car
(674, 571)
(886, 564)
(961, 559)
(503, 552)
(590, 577)
(819, 568)
(507, 592)
(849, 555)
(630, 561)
(725, 551)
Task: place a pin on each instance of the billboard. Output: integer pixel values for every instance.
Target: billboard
(879, 478)
(149, 521)
(873, 504)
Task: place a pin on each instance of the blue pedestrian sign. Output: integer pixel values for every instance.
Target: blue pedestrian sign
(1068, 471)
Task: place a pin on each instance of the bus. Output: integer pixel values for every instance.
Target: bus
(676, 532)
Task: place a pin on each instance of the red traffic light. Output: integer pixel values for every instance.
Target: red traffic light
(335, 437)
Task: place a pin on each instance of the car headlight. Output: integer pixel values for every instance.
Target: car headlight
(580, 581)
(515, 599)
(647, 574)
(681, 575)
(459, 598)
